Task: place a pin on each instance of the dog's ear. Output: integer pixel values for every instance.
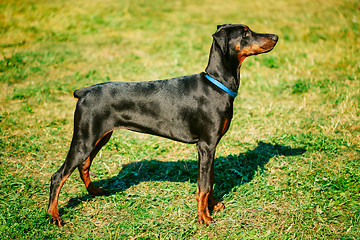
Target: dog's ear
(222, 25)
(221, 39)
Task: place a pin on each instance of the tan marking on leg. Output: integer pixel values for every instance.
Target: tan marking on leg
(203, 207)
(53, 209)
(85, 167)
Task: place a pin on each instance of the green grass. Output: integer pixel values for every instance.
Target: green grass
(288, 168)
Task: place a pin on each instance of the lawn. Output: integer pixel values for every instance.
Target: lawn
(289, 167)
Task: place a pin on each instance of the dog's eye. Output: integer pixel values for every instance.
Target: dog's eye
(246, 33)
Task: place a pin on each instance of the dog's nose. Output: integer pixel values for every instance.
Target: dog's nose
(274, 37)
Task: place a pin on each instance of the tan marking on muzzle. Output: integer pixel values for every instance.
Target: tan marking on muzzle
(267, 45)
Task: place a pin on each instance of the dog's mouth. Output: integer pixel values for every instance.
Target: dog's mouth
(268, 43)
(264, 49)
(256, 49)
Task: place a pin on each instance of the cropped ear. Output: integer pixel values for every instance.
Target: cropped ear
(221, 39)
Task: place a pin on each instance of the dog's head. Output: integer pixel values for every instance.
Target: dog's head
(238, 40)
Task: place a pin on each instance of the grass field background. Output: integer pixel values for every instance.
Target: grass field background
(288, 168)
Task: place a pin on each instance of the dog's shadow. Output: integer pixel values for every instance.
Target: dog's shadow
(230, 171)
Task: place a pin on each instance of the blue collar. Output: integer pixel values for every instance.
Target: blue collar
(221, 86)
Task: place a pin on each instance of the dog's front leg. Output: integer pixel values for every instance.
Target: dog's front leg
(204, 195)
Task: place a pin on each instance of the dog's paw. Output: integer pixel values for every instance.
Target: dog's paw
(204, 219)
(56, 220)
(219, 207)
(96, 191)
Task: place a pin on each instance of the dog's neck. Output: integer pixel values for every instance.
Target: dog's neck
(231, 76)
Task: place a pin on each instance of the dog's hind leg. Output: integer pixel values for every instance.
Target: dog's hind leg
(57, 181)
(80, 155)
(84, 168)
(73, 159)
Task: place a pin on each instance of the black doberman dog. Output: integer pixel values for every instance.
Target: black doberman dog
(190, 109)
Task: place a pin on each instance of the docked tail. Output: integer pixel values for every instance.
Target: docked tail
(80, 92)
